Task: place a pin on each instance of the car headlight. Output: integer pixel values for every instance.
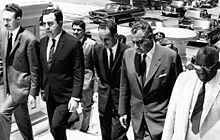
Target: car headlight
(191, 26)
(203, 35)
(180, 20)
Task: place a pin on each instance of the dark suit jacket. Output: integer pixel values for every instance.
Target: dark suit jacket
(152, 98)
(109, 80)
(21, 66)
(64, 79)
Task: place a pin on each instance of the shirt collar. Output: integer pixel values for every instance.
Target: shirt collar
(151, 52)
(57, 37)
(15, 32)
(114, 48)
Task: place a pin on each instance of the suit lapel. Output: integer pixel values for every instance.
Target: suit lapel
(213, 94)
(155, 63)
(105, 62)
(17, 40)
(60, 45)
(117, 56)
(137, 61)
(44, 50)
(6, 44)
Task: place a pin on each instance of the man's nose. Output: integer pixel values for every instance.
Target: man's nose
(47, 26)
(5, 22)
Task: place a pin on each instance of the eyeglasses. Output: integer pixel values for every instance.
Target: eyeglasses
(141, 41)
(76, 29)
(207, 68)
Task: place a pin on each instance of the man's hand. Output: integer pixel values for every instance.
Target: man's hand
(123, 121)
(31, 99)
(43, 96)
(72, 105)
(95, 97)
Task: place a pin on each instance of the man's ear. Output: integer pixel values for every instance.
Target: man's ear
(116, 35)
(193, 59)
(60, 23)
(18, 19)
(218, 65)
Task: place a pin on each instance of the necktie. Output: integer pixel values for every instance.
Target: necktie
(111, 58)
(51, 52)
(197, 111)
(143, 68)
(9, 43)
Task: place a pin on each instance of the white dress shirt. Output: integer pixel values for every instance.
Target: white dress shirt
(14, 34)
(148, 59)
(50, 42)
(114, 49)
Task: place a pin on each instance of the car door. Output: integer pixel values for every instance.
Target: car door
(215, 32)
(125, 12)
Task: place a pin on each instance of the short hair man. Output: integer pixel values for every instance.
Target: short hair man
(62, 63)
(193, 111)
(148, 74)
(107, 61)
(20, 73)
(90, 85)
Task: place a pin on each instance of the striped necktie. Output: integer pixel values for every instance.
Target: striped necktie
(51, 53)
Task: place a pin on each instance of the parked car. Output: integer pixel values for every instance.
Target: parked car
(116, 12)
(208, 32)
(154, 22)
(192, 14)
(158, 4)
(176, 8)
(208, 3)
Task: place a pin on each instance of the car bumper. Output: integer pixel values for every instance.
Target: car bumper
(170, 13)
(97, 19)
(198, 43)
(184, 26)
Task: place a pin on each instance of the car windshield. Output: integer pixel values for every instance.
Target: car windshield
(202, 24)
(192, 14)
(177, 3)
(112, 7)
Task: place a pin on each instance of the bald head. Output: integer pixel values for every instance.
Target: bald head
(206, 63)
(208, 54)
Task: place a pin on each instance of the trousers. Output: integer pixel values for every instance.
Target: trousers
(22, 118)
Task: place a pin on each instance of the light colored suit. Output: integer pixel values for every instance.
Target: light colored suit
(177, 119)
(149, 102)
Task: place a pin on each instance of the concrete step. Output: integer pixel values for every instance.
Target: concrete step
(39, 124)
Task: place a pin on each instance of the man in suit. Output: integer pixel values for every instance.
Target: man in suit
(194, 108)
(107, 61)
(62, 62)
(90, 80)
(148, 74)
(20, 81)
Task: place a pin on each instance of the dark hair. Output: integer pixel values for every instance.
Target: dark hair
(14, 8)
(143, 25)
(122, 39)
(109, 24)
(161, 33)
(80, 23)
(57, 13)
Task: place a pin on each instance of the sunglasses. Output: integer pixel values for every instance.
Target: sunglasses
(199, 67)
(141, 41)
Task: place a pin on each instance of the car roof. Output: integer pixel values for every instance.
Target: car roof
(151, 18)
(118, 3)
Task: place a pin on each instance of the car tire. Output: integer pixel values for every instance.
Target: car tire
(163, 14)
